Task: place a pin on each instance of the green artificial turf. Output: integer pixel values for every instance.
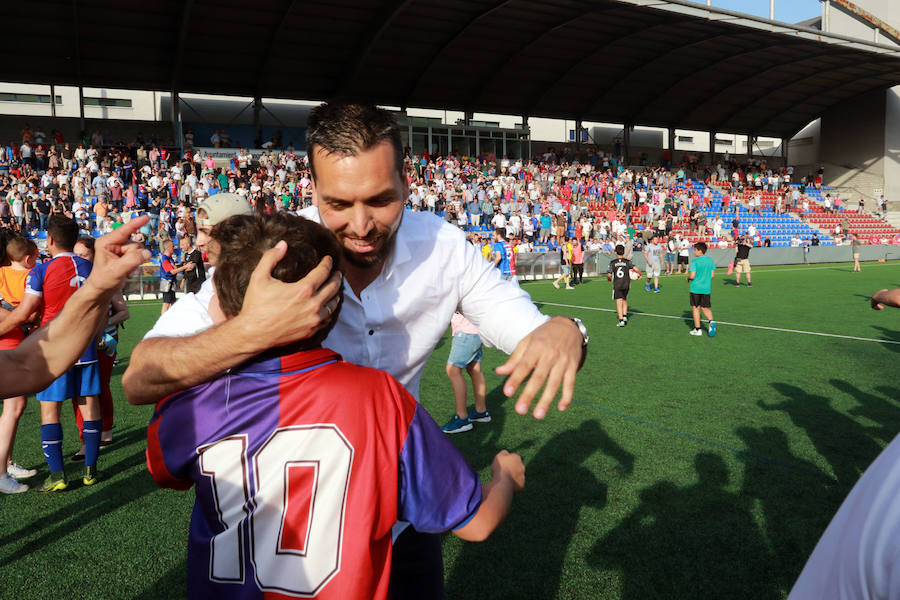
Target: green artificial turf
(687, 467)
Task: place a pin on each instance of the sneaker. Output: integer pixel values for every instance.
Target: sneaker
(655, 290)
(480, 417)
(696, 332)
(712, 329)
(54, 483)
(647, 287)
(749, 285)
(8, 485)
(738, 284)
(457, 425)
(90, 476)
(20, 472)
(78, 456)
(621, 323)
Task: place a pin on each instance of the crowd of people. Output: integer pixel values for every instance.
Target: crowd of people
(541, 203)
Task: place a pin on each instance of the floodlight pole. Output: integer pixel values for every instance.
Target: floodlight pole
(771, 10)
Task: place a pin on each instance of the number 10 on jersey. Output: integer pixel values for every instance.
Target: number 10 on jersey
(295, 510)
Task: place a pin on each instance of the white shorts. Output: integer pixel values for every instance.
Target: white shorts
(653, 269)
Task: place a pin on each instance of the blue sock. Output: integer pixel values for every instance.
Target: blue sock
(91, 433)
(51, 442)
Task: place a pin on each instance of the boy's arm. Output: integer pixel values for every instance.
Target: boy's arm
(21, 315)
(507, 478)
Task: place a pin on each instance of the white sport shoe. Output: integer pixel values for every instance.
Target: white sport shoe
(8, 485)
(20, 472)
(696, 332)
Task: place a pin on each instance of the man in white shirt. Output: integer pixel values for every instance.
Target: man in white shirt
(406, 273)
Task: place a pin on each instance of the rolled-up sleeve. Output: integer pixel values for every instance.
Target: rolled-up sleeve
(502, 311)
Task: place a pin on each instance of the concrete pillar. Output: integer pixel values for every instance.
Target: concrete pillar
(712, 147)
(626, 144)
(176, 123)
(412, 149)
(751, 141)
(672, 145)
(449, 141)
(477, 143)
(504, 145)
(430, 144)
(468, 117)
(785, 142)
(81, 109)
(52, 100)
(257, 107)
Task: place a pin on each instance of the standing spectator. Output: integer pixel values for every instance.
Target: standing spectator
(22, 255)
(855, 244)
(565, 263)
(619, 272)
(653, 255)
(465, 353)
(742, 260)
(195, 274)
(701, 274)
(577, 261)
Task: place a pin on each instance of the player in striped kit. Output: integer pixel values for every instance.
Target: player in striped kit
(48, 286)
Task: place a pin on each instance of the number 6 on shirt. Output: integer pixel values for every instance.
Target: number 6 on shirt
(295, 510)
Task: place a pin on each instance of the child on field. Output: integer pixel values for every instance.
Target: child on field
(700, 274)
(619, 272)
(465, 353)
(22, 254)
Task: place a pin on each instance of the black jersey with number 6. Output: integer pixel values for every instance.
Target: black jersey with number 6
(620, 268)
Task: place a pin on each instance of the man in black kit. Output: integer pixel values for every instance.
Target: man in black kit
(619, 272)
(196, 274)
(742, 260)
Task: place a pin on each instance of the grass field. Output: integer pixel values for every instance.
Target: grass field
(686, 468)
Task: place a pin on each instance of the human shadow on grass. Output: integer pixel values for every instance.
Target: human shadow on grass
(882, 410)
(697, 541)
(889, 335)
(72, 517)
(797, 501)
(524, 557)
(846, 444)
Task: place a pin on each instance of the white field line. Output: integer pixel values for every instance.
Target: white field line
(819, 333)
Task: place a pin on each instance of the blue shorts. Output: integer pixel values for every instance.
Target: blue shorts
(465, 349)
(80, 380)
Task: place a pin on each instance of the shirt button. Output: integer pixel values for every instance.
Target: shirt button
(371, 332)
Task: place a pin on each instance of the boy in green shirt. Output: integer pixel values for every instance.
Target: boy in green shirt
(700, 274)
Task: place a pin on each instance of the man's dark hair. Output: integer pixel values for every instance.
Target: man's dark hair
(346, 128)
(63, 231)
(501, 233)
(620, 250)
(244, 238)
(701, 246)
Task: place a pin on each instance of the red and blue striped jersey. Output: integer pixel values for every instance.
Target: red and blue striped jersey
(302, 463)
(54, 282)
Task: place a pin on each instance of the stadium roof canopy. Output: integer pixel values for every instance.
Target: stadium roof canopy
(644, 62)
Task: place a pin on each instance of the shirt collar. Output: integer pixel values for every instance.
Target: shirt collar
(284, 359)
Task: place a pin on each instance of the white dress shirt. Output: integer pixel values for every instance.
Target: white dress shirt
(858, 556)
(399, 318)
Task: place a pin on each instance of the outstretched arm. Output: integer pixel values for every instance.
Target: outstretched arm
(274, 313)
(46, 354)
